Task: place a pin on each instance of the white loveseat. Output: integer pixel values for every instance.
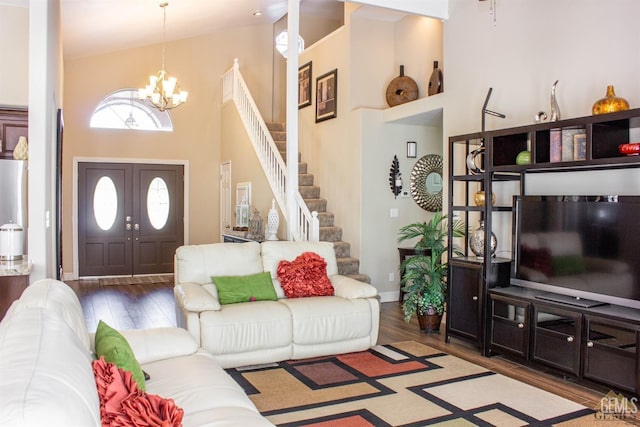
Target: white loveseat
(46, 376)
(270, 331)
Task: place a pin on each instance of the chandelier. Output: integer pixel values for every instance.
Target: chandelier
(163, 91)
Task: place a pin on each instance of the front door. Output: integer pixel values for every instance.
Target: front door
(130, 218)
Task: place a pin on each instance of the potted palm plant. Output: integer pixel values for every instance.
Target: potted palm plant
(424, 278)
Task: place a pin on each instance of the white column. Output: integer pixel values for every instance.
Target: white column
(293, 24)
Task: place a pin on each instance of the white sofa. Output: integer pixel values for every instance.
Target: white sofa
(270, 331)
(46, 376)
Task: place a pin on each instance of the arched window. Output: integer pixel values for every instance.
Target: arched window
(123, 109)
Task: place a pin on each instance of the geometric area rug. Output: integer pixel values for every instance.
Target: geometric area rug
(401, 384)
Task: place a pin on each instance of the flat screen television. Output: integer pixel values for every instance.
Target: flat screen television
(579, 249)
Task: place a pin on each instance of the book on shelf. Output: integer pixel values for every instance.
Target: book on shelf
(555, 145)
(580, 146)
(568, 147)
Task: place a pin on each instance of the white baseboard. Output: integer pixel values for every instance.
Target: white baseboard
(389, 296)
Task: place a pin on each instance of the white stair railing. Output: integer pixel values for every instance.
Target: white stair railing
(305, 225)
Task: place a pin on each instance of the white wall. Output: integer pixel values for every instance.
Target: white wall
(14, 45)
(586, 45)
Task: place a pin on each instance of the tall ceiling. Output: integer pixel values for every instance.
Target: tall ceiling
(98, 26)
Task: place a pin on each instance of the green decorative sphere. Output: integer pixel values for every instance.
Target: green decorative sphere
(523, 158)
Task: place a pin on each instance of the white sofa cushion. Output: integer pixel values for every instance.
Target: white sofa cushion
(201, 387)
(60, 298)
(151, 344)
(244, 327)
(46, 377)
(349, 288)
(318, 320)
(198, 263)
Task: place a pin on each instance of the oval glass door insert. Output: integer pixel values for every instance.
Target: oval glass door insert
(105, 203)
(158, 203)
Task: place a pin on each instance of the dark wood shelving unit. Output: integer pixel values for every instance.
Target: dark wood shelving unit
(602, 136)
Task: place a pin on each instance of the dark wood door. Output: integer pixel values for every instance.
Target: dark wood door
(130, 218)
(557, 338)
(464, 305)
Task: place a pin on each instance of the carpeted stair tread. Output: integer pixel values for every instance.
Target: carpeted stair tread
(302, 167)
(330, 234)
(279, 136)
(276, 127)
(342, 248)
(309, 191)
(348, 265)
(318, 205)
(360, 277)
(305, 179)
(325, 219)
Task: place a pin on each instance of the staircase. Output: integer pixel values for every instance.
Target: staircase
(347, 265)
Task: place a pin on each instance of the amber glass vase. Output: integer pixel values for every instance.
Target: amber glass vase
(610, 103)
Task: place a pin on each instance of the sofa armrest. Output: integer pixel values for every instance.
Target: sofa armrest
(154, 344)
(349, 288)
(195, 297)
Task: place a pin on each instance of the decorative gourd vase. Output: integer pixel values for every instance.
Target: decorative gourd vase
(610, 103)
(479, 198)
(476, 241)
(273, 222)
(21, 150)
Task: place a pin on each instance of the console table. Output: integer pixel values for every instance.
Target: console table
(14, 278)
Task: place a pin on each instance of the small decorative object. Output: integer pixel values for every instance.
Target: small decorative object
(486, 111)
(610, 103)
(273, 222)
(401, 89)
(479, 200)
(632, 149)
(436, 83)
(327, 96)
(476, 241)
(255, 226)
(21, 150)
(411, 149)
(395, 177)
(426, 182)
(471, 161)
(304, 85)
(540, 116)
(523, 158)
(555, 109)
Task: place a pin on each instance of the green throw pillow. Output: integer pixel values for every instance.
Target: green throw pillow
(568, 265)
(254, 287)
(115, 349)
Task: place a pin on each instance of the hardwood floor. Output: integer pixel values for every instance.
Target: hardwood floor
(145, 306)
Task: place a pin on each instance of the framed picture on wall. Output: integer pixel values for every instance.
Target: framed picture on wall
(327, 96)
(304, 85)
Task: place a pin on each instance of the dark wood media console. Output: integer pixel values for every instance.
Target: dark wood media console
(598, 343)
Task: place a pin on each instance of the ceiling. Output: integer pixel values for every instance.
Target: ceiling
(98, 26)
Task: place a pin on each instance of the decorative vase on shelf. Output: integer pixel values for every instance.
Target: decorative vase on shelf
(555, 108)
(479, 198)
(273, 222)
(436, 83)
(21, 150)
(610, 103)
(476, 241)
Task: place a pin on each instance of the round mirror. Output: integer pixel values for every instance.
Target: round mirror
(426, 182)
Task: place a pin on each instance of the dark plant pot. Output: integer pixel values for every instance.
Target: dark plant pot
(429, 321)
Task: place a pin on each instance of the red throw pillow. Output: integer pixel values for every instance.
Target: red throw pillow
(305, 276)
(122, 403)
